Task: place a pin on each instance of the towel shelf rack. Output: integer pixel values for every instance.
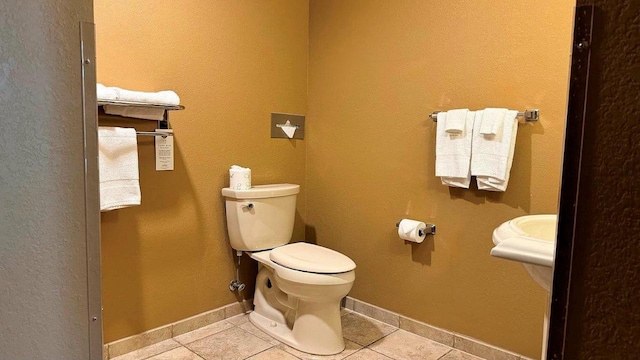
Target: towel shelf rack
(138, 104)
(154, 133)
(162, 124)
(529, 115)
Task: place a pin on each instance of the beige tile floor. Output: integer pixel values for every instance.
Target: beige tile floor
(236, 339)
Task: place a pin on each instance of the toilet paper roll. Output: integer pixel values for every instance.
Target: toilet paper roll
(412, 230)
(239, 178)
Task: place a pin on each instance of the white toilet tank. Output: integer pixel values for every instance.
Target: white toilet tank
(262, 217)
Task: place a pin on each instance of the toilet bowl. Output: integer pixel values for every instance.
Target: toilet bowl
(299, 286)
(299, 307)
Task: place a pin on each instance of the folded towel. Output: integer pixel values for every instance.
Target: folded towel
(135, 112)
(118, 161)
(492, 120)
(493, 154)
(492, 184)
(453, 152)
(106, 93)
(456, 121)
(456, 182)
(166, 97)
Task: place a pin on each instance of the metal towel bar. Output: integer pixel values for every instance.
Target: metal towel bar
(529, 115)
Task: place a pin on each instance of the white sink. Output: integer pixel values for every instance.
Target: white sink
(530, 240)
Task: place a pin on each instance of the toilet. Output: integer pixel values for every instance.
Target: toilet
(300, 285)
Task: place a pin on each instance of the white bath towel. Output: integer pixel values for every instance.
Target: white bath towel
(492, 121)
(493, 154)
(118, 160)
(166, 97)
(456, 121)
(147, 113)
(453, 152)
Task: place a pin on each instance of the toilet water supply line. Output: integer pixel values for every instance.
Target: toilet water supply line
(235, 284)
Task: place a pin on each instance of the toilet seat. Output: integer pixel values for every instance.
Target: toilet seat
(311, 258)
(302, 276)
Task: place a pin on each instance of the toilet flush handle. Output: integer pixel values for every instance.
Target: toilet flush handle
(248, 206)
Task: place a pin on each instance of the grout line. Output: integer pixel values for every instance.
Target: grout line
(445, 354)
(265, 350)
(350, 355)
(144, 358)
(378, 352)
(370, 318)
(191, 351)
(195, 353)
(215, 333)
(375, 341)
(347, 311)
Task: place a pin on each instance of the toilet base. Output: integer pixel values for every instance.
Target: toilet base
(282, 333)
(298, 308)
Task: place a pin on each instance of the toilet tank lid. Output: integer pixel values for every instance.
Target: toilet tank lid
(311, 258)
(262, 191)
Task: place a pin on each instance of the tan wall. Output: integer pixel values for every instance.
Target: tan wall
(376, 70)
(232, 63)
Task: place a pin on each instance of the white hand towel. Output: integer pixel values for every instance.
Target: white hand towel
(493, 154)
(453, 152)
(492, 120)
(456, 121)
(118, 162)
(166, 97)
(135, 112)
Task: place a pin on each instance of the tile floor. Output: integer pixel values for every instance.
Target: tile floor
(236, 339)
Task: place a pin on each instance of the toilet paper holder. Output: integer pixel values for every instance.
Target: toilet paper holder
(430, 229)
